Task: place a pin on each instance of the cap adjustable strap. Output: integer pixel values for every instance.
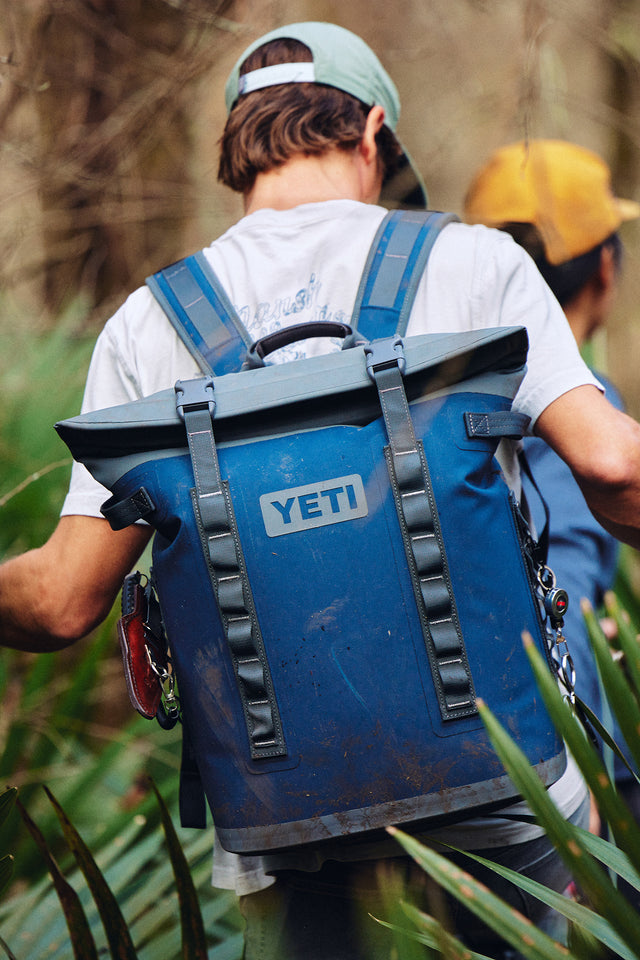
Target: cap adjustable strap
(278, 73)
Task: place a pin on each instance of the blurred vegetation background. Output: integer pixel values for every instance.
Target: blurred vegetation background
(110, 112)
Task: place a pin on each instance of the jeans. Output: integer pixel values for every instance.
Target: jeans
(327, 915)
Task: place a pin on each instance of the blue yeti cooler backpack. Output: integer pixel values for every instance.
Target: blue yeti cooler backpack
(340, 566)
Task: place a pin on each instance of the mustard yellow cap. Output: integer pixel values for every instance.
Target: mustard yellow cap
(562, 189)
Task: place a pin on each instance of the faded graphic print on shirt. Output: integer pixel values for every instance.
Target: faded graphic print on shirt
(304, 306)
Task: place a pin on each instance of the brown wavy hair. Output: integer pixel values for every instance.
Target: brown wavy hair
(267, 127)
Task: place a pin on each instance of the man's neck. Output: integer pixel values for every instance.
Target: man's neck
(337, 175)
(586, 312)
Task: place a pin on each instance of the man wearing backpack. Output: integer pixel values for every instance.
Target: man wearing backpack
(310, 143)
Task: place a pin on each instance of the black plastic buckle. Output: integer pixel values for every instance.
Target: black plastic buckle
(194, 395)
(383, 354)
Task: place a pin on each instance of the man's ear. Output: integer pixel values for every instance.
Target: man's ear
(373, 124)
(607, 272)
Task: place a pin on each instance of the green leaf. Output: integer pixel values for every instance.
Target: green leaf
(575, 912)
(433, 935)
(611, 806)
(84, 947)
(116, 930)
(605, 736)
(5, 947)
(21, 730)
(511, 925)
(194, 944)
(584, 945)
(587, 872)
(627, 640)
(7, 803)
(406, 943)
(610, 855)
(6, 872)
(619, 693)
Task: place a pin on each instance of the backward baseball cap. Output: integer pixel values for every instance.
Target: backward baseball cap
(343, 60)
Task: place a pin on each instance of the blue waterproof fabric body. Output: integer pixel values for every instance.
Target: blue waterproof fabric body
(365, 742)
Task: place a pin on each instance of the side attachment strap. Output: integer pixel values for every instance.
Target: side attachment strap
(422, 536)
(223, 552)
(122, 513)
(497, 423)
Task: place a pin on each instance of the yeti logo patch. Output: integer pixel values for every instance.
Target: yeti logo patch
(313, 505)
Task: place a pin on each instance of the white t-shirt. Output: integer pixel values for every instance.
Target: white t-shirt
(304, 264)
(293, 266)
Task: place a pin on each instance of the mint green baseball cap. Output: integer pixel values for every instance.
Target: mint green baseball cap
(343, 60)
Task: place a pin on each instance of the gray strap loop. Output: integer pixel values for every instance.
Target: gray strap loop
(497, 423)
(227, 570)
(122, 513)
(424, 547)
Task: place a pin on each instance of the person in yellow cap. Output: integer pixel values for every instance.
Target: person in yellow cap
(556, 200)
(310, 145)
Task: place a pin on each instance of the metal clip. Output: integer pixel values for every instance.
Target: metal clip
(565, 668)
(554, 604)
(546, 577)
(170, 702)
(555, 600)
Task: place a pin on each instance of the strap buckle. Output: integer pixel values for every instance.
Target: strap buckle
(383, 354)
(194, 395)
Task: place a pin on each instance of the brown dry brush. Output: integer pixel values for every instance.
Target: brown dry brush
(105, 86)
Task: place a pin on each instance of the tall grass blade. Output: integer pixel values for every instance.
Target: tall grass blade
(585, 946)
(511, 925)
(84, 947)
(587, 871)
(605, 736)
(612, 807)
(610, 855)
(115, 927)
(20, 734)
(626, 640)
(405, 944)
(432, 934)
(5, 947)
(32, 478)
(587, 919)
(620, 695)
(73, 703)
(194, 943)
(6, 872)
(7, 802)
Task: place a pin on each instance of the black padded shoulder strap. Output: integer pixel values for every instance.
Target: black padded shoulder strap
(396, 262)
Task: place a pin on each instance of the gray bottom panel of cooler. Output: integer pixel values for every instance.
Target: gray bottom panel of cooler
(436, 808)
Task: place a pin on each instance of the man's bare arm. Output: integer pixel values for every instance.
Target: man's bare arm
(57, 593)
(601, 445)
